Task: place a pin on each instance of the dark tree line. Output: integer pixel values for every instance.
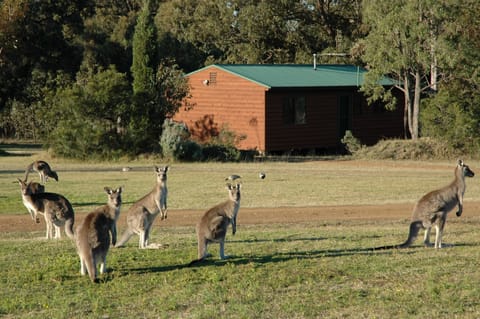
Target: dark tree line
(99, 77)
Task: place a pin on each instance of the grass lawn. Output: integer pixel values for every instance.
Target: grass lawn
(318, 269)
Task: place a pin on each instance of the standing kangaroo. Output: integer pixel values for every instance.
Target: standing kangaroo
(33, 188)
(43, 170)
(55, 208)
(142, 214)
(213, 225)
(432, 209)
(93, 235)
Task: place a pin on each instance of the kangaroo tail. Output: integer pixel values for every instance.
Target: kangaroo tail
(90, 264)
(127, 234)
(69, 228)
(412, 235)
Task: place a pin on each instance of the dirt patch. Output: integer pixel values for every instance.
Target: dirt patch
(251, 216)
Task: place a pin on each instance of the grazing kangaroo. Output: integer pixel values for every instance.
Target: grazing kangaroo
(142, 214)
(33, 188)
(93, 235)
(432, 209)
(55, 208)
(43, 170)
(212, 227)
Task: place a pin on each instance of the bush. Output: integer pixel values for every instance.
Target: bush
(351, 143)
(188, 151)
(87, 114)
(420, 149)
(174, 135)
(176, 145)
(222, 153)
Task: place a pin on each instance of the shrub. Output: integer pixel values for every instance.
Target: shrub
(419, 149)
(351, 143)
(174, 134)
(188, 151)
(176, 145)
(222, 153)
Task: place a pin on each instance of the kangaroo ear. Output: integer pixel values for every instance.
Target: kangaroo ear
(460, 162)
(120, 189)
(108, 190)
(166, 168)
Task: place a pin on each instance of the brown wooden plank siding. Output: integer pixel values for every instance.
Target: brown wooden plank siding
(256, 112)
(322, 127)
(231, 101)
(319, 131)
(370, 123)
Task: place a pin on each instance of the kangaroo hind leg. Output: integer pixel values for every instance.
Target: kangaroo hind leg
(426, 238)
(439, 231)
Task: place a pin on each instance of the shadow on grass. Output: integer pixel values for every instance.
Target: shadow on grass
(157, 269)
(284, 257)
(294, 255)
(293, 239)
(77, 204)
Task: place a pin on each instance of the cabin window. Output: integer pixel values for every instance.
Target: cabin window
(294, 110)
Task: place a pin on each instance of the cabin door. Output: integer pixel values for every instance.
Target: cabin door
(344, 114)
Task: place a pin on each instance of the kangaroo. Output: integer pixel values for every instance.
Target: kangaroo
(92, 236)
(55, 208)
(33, 188)
(213, 225)
(433, 207)
(43, 170)
(142, 213)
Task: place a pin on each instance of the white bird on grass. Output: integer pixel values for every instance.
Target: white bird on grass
(233, 177)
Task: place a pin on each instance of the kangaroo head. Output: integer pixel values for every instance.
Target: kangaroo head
(161, 173)
(114, 196)
(35, 187)
(24, 187)
(234, 192)
(466, 171)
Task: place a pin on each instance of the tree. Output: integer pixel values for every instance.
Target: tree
(250, 31)
(404, 42)
(144, 51)
(89, 115)
(158, 84)
(453, 114)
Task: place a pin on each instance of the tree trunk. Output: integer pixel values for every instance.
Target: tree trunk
(407, 123)
(416, 105)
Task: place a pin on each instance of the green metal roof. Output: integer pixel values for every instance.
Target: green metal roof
(298, 75)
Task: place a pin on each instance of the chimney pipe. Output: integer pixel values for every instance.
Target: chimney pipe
(315, 61)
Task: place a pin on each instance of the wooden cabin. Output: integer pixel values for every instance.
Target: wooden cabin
(277, 108)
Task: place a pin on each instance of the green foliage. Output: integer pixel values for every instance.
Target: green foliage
(90, 116)
(446, 118)
(258, 31)
(176, 144)
(405, 42)
(453, 113)
(419, 149)
(144, 51)
(174, 135)
(351, 143)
